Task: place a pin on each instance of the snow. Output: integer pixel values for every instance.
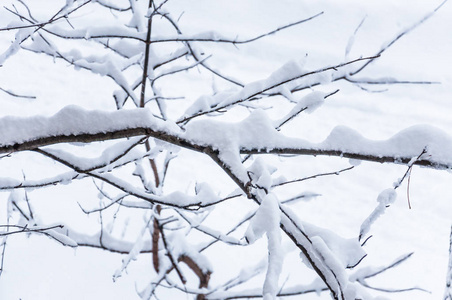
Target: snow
(136, 249)
(351, 121)
(21, 35)
(262, 137)
(308, 104)
(98, 32)
(283, 80)
(385, 198)
(73, 120)
(177, 199)
(311, 102)
(354, 162)
(62, 238)
(267, 220)
(109, 158)
(256, 132)
(337, 271)
(229, 138)
(412, 140)
(180, 247)
(347, 251)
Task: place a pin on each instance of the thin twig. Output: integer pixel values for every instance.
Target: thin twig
(234, 41)
(170, 256)
(270, 87)
(26, 229)
(448, 291)
(17, 95)
(314, 176)
(397, 37)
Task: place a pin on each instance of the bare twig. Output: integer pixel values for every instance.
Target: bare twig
(270, 87)
(146, 58)
(397, 37)
(314, 176)
(410, 165)
(234, 41)
(365, 284)
(448, 291)
(155, 240)
(43, 183)
(41, 25)
(17, 95)
(26, 229)
(2, 261)
(172, 259)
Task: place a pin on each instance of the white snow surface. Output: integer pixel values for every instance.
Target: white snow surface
(401, 122)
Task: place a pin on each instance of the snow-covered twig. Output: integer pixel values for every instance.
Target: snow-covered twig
(258, 88)
(296, 234)
(47, 231)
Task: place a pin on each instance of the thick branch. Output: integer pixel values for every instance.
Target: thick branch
(89, 135)
(353, 155)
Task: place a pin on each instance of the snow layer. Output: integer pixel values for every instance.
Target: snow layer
(385, 198)
(256, 132)
(267, 220)
(408, 143)
(74, 120)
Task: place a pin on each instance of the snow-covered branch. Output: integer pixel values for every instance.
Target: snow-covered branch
(78, 125)
(168, 93)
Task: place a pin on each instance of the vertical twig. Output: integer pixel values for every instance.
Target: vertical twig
(203, 278)
(155, 241)
(448, 292)
(101, 234)
(143, 89)
(156, 232)
(171, 258)
(3, 255)
(29, 207)
(146, 58)
(408, 189)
